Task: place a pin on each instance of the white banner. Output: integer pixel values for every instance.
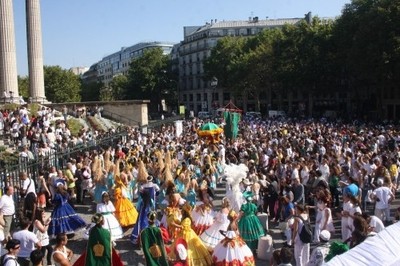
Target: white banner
(178, 128)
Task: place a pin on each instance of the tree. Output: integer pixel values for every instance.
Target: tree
(118, 87)
(61, 85)
(368, 39)
(149, 78)
(224, 61)
(23, 86)
(91, 91)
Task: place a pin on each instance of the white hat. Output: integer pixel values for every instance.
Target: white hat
(325, 235)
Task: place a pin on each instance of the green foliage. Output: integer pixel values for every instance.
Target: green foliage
(23, 86)
(149, 78)
(61, 85)
(8, 158)
(117, 89)
(74, 126)
(91, 91)
(367, 36)
(33, 108)
(10, 106)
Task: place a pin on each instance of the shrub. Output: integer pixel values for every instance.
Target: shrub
(74, 126)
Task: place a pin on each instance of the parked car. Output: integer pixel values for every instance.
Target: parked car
(252, 116)
(204, 115)
(276, 113)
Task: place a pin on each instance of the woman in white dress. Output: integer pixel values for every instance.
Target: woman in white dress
(323, 220)
(347, 206)
(212, 236)
(107, 209)
(301, 249)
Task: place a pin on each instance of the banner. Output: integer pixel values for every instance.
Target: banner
(178, 128)
(231, 128)
(181, 109)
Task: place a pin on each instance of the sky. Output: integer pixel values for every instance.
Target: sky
(81, 32)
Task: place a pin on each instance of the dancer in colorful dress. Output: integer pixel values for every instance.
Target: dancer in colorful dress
(203, 216)
(152, 242)
(125, 212)
(63, 218)
(250, 227)
(99, 250)
(212, 236)
(107, 209)
(232, 251)
(144, 205)
(198, 254)
(172, 215)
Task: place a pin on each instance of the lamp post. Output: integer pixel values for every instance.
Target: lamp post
(213, 83)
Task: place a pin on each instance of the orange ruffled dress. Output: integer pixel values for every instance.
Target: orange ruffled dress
(125, 212)
(197, 253)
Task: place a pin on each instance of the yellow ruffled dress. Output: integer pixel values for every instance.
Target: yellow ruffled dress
(125, 212)
(198, 254)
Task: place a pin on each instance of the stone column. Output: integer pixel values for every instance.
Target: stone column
(35, 52)
(8, 58)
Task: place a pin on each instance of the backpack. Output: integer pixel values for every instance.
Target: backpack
(3, 260)
(306, 231)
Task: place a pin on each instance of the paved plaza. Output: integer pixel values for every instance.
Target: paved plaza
(133, 256)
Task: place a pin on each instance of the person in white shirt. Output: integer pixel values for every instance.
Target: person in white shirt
(28, 185)
(7, 208)
(28, 242)
(324, 168)
(383, 197)
(375, 224)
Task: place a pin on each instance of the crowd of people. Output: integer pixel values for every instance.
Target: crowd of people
(162, 186)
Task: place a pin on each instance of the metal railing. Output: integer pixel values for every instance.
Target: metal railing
(159, 123)
(59, 157)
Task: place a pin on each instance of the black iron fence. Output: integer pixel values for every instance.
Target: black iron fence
(58, 157)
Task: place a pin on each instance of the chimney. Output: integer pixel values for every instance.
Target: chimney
(309, 18)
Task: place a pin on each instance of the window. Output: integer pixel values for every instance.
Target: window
(227, 96)
(190, 97)
(205, 97)
(184, 97)
(198, 97)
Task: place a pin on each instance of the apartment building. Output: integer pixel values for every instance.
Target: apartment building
(118, 63)
(195, 92)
